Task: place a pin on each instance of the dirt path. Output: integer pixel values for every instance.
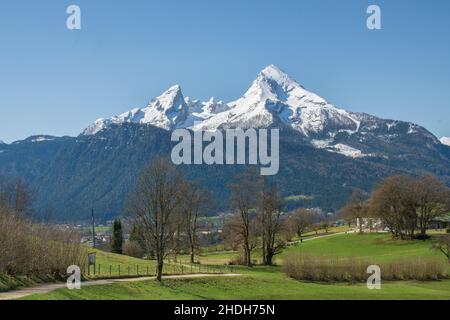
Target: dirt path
(46, 288)
(321, 236)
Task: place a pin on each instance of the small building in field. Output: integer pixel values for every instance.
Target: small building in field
(441, 222)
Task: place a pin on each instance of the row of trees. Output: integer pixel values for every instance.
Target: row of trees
(403, 204)
(164, 211)
(257, 220)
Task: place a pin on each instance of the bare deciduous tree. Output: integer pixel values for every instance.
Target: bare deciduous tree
(270, 218)
(153, 206)
(244, 199)
(299, 221)
(432, 196)
(394, 202)
(405, 204)
(16, 195)
(195, 202)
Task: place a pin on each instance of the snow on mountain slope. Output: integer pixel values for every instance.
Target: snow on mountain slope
(167, 111)
(445, 140)
(274, 99)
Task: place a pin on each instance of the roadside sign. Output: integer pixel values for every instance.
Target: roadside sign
(92, 258)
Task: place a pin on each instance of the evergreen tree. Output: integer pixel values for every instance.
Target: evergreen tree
(117, 237)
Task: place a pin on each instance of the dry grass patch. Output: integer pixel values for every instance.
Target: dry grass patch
(303, 266)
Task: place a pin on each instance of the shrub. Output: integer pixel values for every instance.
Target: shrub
(422, 237)
(133, 249)
(28, 249)
(237, 261)
(315, 268)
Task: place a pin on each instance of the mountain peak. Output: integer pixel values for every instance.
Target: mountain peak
(445, 140)
(274, 73)
(172, 97)
(173, 89)
(273, 84)
(275, 77)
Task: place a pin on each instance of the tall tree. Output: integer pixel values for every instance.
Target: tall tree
(153, 206)
(195, 202)
(271, 225)
(394, 202)
(117, 237)
(244, 199)
(405, 204)
(432, 200)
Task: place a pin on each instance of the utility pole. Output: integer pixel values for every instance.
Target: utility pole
(93, 229)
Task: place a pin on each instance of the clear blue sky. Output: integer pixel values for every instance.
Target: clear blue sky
(56, 81)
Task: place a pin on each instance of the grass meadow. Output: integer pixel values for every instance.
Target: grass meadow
(261, 283)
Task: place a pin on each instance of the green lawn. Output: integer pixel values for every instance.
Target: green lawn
(106, 262)
(109, 264)
(257, 285)
(213, 258)
(377, 247)
(271, 283)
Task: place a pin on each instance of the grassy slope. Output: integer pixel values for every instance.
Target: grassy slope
(107, 259)
(270, 282)
(224, 257)
(110, 262)
(258, 285)
(109, 268)
(8, 282)
(376, 247)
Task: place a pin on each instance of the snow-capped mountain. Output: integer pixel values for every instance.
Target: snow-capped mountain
(445, 140)
(274, 99)
(169, 111)
(325, 151)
